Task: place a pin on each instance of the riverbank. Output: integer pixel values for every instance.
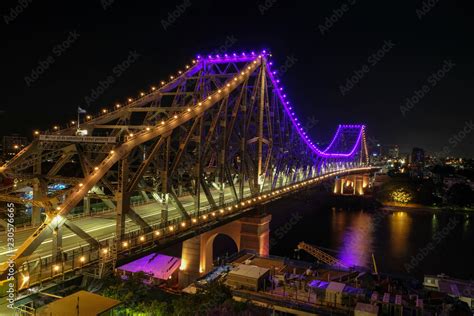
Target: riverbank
(393, 206)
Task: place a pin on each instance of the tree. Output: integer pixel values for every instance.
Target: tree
(460, 194)
(401, 195)
(137, 296)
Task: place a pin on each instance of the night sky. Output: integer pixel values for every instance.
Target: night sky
(348, 61)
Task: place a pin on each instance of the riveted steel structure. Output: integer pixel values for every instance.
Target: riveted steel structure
(218, 138)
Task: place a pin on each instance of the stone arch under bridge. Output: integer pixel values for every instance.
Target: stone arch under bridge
(252, 233)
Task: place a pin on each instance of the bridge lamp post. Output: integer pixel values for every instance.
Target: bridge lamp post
(157, 233)
(25, 278)
(82, 260)
(142, 238)
(55, 269)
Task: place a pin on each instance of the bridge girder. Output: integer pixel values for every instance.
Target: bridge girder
(223, 122)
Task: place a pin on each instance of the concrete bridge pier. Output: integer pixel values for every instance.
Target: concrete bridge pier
(251, 233)
(352, 184)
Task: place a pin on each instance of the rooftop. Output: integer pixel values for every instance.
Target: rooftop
(250, 271)
(81, 303)
(158, 265)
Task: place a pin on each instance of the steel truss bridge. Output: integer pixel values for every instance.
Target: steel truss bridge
(216, 140)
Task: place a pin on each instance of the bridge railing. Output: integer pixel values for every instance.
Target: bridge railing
(137, 241)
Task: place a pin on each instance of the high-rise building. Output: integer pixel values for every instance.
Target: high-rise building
(417, 162)
(417, 156)
(393, 151)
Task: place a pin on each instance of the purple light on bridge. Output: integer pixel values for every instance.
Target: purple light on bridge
(313, 147)
(322, 153)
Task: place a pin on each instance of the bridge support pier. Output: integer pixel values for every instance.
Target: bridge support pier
(255, 234)
(250, 233)
(355, 183)
(190, 269)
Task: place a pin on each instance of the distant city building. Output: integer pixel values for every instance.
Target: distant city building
(417, 156)
(417, 162)
(12, 144)
(393, 151)
(380, 153)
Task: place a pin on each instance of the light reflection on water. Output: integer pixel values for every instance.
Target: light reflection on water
(395, 238)
(357, 244)
(400, 226)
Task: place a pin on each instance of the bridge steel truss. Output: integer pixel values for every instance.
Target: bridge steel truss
(223, 124)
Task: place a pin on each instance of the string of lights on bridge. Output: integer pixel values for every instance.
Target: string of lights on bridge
(208, 101)
(234, 57)
(254, 60)
(184, 225)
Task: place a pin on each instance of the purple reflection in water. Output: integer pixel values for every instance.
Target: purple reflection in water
(357, 245)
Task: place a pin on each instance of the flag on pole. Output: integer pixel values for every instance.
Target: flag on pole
(81, 110)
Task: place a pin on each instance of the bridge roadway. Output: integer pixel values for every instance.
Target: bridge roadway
(102, 226)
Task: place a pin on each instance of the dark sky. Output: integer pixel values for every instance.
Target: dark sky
(412, 45)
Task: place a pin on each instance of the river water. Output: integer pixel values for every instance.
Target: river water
(403, 242)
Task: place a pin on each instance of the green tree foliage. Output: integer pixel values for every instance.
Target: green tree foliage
(142, 299)
(137, 296)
